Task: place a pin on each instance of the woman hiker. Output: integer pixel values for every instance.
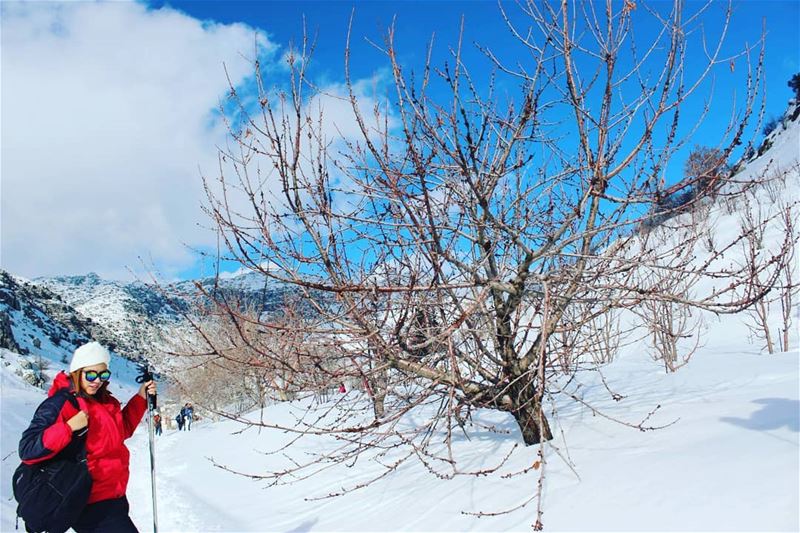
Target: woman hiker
(108, 425)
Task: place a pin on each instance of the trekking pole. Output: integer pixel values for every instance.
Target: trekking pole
(144, 377)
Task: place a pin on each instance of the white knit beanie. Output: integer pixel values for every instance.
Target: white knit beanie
(89, 354)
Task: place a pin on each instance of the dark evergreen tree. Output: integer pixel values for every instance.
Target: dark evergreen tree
(794, 85)
(770, 126)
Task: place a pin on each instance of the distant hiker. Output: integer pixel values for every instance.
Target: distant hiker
(341, 388)
(157, 422)
(188, 415)
(322, 395)
(180, 421)
(78, 404)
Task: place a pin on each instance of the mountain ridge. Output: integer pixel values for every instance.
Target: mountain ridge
(48, 317)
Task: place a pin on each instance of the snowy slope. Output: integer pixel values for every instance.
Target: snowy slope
(139, 313)
(133, 311)
(728, 463)
(37, 322)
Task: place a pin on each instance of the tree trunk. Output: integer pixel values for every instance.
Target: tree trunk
(763, 312)
(377, 405)
(532, 423)
(378, 385)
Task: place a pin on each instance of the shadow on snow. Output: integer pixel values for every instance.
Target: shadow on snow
(775, 413)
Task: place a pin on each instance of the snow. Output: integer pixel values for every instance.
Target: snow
(728, 462)
(108, 303)
(33, 338)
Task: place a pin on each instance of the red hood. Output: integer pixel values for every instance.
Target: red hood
(60, 382)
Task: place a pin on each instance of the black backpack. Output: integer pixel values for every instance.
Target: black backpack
(52, 494)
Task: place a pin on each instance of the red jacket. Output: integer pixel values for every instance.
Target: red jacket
(106, 454)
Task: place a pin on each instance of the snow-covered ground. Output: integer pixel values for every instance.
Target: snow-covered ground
(730, 462)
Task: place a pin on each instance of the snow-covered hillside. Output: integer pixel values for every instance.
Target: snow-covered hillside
(726, 456)
(37, 322)
(108, 301)
(140, 314)
(134, 311)
(729, 462)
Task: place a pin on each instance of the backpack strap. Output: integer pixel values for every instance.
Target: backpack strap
(77, 403)
(80, 436)
(73, 400)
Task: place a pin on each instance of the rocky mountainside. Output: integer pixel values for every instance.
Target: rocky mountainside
(247, 289)
(39, 322)
(135, 312)
(48, 317)
(131, 308)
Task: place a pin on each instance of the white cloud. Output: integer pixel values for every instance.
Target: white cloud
(108, 113)
(328, 113)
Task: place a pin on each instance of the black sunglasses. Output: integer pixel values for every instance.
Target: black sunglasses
(92, 375)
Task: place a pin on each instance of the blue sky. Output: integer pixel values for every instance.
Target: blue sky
(108, 109)
(417, 21)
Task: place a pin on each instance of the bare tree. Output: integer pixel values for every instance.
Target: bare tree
(246, 366)
(788, 283)
(671, 325)
(764, 324)
(706, 166)
(462, 245)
